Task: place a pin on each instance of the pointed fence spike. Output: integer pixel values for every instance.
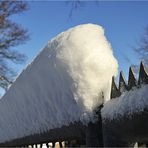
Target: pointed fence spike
(131, 79)
(122, 83)
(114, 90)
(143, 76)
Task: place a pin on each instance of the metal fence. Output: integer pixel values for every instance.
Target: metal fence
(128, 129)
(123, 132)
(132, 82)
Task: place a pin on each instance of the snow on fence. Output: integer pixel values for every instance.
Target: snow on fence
(55, 97)
(116, 127)
(125, 116)
(59, 90)
(62, 85)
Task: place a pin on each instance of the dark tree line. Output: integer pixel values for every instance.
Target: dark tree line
(11, 35)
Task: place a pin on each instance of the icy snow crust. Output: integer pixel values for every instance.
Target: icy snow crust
(62, 85)
(130, 102)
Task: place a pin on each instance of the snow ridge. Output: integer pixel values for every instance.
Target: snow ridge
(63, 84)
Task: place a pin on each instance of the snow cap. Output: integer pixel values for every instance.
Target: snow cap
(88, 58)
(63, 84)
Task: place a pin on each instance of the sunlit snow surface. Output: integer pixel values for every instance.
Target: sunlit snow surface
(133, 101)
(63, 84)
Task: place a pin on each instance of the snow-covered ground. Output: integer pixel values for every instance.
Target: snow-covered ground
(135, 100)
(63, 84)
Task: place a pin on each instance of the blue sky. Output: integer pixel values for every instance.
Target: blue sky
(123, 21)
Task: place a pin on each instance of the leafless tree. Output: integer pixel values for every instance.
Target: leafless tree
(11, 35)
(142, 50)
(74, 5)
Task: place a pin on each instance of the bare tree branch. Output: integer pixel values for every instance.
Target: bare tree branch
(142, 49)
(11, 35)
(77, 4)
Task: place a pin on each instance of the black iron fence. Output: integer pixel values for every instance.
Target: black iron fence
(126, 130)
(123, 132)
(132, 82)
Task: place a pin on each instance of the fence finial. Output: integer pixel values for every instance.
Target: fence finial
(114, 90)
(122, 83)
(131, 79)
(143, 76)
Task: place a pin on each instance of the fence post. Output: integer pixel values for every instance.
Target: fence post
(94, 135)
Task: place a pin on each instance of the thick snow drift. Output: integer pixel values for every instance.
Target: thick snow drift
(88, 58)
(63, 84)
(129, 102)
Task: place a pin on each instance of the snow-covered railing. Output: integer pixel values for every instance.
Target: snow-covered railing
(125, 116)
(55, 97)
(124, 119)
